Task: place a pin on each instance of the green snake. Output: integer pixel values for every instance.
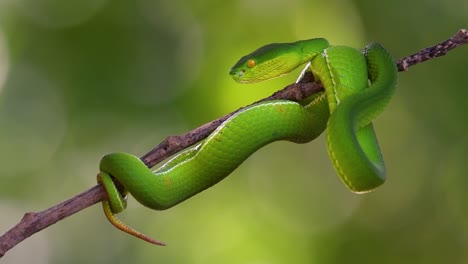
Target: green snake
(345, 109)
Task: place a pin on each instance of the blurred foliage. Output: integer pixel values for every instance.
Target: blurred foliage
(79, 79)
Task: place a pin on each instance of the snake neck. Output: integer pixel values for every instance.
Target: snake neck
(310, 48)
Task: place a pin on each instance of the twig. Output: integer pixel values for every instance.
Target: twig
(435, 51)
(32, 222)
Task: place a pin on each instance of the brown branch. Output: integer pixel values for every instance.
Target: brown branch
(435, 51)
(32, 223)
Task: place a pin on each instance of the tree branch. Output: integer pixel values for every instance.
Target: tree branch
(33, 222)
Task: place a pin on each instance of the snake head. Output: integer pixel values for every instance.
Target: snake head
(244, 70)
(270, 61)
(276, 59)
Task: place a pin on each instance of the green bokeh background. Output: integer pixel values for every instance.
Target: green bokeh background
(82, 78)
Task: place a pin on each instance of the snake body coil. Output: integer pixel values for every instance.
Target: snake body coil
(345, 109)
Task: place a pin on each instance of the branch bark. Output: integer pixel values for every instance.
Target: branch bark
(34, 222)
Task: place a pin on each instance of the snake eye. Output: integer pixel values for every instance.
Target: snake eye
(251, 63)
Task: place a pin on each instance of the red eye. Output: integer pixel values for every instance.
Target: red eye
(251, 63)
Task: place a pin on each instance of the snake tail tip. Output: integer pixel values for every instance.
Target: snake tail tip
(159, 243)
(148, 239)
(125, 228)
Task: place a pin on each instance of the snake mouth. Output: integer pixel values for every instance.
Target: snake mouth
(238, 75)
